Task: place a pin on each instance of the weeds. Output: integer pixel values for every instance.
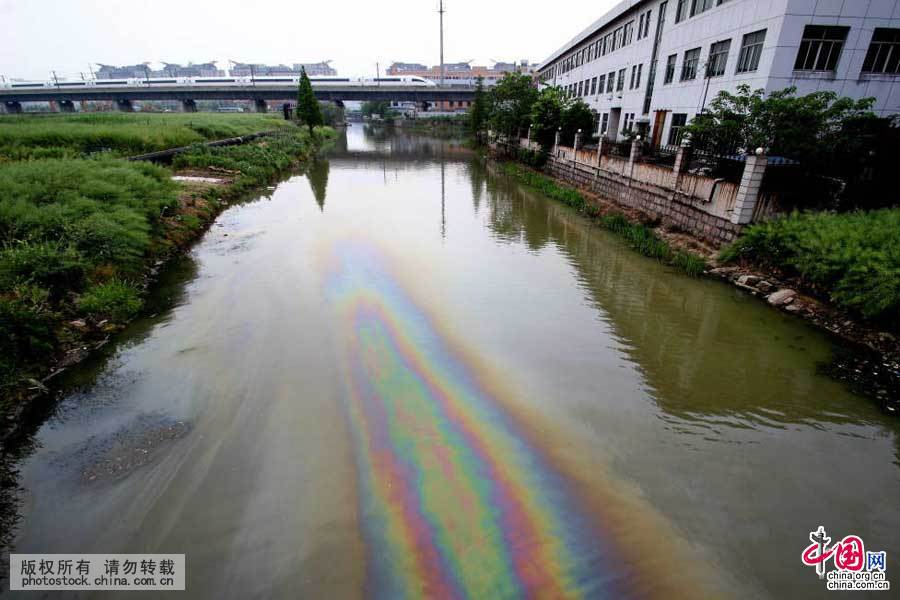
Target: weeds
(854, 258)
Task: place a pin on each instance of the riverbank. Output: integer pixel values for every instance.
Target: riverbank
(83, 239)
(872, 368)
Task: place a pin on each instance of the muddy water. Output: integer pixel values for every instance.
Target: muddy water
(402, 375)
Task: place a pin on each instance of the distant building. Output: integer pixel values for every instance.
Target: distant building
(124, 72)
(462, 73)
(319, 69)
(207, 69)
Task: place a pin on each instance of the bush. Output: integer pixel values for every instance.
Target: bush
(853, 258)
(26, 331)
(50, 265)
(117, 300)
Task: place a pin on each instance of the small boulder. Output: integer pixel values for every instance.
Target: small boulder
(781, 297)
(748, 279)
(765, 287)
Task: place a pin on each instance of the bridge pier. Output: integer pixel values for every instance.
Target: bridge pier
(189, 106)
(66, 106)
(13, 108)
(261, 105)
(125, 105)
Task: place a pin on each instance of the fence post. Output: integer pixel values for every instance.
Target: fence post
(600, 151)
(556, 142)
(751, 182)
(633, 156)
(682, 158)
(529, 137)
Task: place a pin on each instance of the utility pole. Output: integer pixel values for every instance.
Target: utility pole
(441, 13)
(55, 79)
(377, 73)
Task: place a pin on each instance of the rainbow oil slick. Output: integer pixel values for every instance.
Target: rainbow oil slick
(456, 498)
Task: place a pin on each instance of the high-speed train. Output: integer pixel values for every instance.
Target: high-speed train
(404, 81)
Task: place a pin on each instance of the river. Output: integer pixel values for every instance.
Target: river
(401, 374)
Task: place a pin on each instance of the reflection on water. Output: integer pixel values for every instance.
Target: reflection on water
(403, 374)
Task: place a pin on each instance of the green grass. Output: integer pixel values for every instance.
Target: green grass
(853, 258)
(640, 237)
(122, 134)
(257, 163)
(115, 299)
(75, 233)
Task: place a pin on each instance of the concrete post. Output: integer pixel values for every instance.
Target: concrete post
(682, 158)
(635, 153)
(748, 193)
(529, 137)
(188, 106)
(125, 105)
(261, 106)
(600, 151)
(577, 144)
(556, 142)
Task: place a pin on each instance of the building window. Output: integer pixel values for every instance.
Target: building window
(640, 71)
(681, 11)
(620, 84)
(644, 25)
(670, 68)
(610, 82)
(751, 50)
(629, 122)
(627, 33)
(633, 74)
(587, 87)
(718, 58)
(578, 93)
(884, 52)
(604, 124)
(679, 120)
(593, 86)
(601, 84)
(699, 6)
(689, 66)
(820, 48)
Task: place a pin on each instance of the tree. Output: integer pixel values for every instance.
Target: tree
(478, 112)
(807, 128)
(332, 114)
(554, 110)
(308, 111)
(376, 107)
(546, 115)
(510, 103)
(577, 115)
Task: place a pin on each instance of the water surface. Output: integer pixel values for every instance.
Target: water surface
(403, 375)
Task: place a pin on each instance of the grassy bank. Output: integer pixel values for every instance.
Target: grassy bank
(851, 258)
(640, 237)
(120, 134)
(78, 235)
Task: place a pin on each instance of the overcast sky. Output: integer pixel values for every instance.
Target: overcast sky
(37, 36)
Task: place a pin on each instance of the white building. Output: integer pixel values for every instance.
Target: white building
(651, 65)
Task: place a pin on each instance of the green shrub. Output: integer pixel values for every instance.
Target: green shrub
(854, 258)
(117, 300)
(50, 265)
(26, 331)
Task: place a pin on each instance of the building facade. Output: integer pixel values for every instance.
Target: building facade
(650, 66)
(461, 73)
(319, 69)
